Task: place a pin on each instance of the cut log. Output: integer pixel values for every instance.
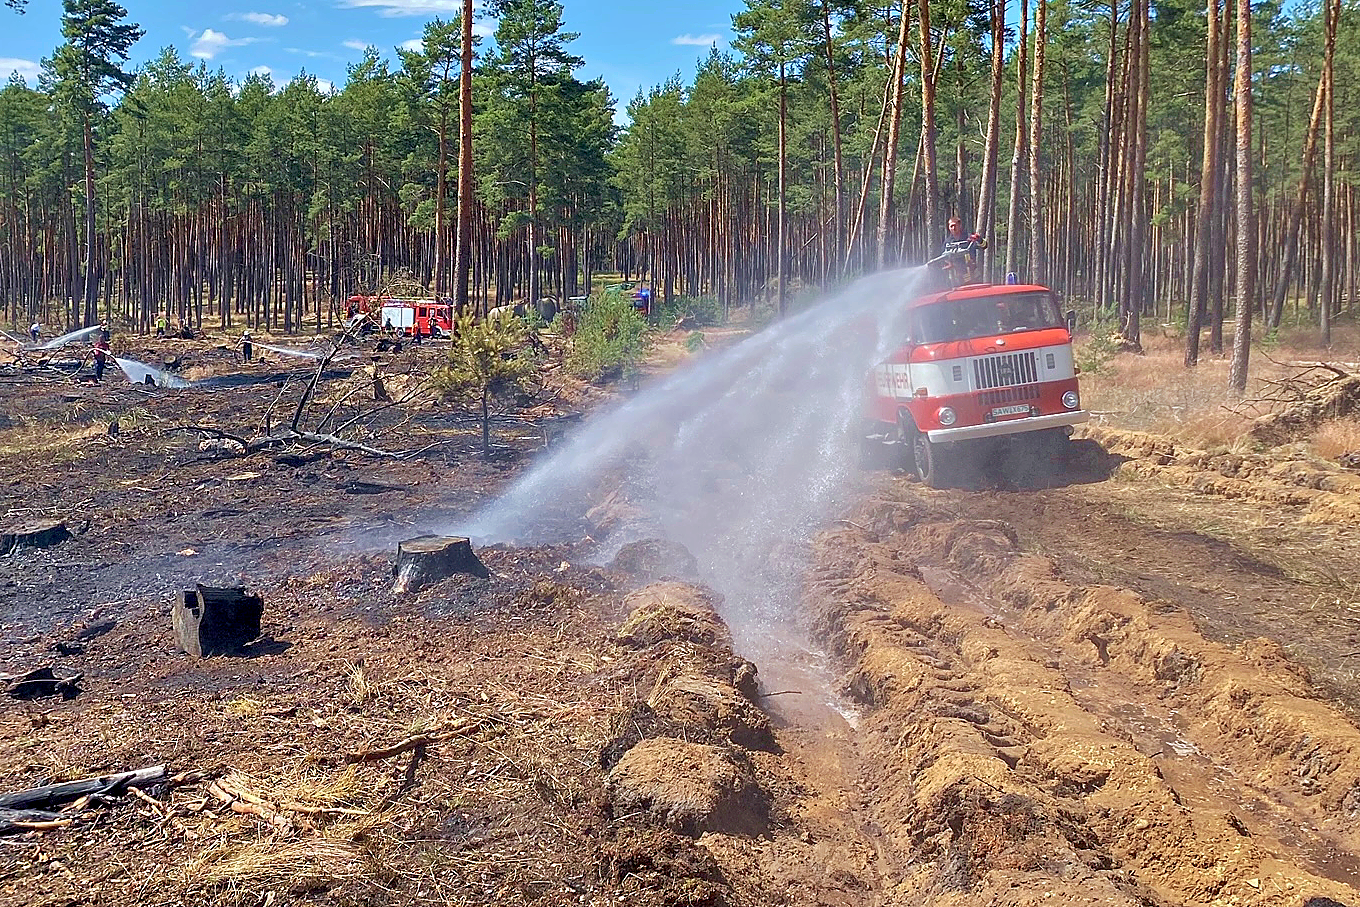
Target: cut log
(33, 534)
(427, 559)
(54, 795)
(216, 621)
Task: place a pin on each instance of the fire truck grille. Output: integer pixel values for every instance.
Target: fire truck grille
(1006, 370)
(1006, 395)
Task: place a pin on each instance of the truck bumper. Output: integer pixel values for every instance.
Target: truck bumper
(1009, 427)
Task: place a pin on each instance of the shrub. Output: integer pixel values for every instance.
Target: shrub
(693, 311)
(609, 339)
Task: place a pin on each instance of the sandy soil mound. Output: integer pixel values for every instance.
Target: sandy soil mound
(656, 559)
(673, 611)
(1042, 739)
(690, 787)
(1324, 493)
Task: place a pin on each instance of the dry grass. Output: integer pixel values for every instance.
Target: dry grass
(360, 688)
(1333, 439)
(292, 865)
(1154, 392)
(56, 444)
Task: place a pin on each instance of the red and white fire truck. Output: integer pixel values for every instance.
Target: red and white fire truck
(431, 316)
(981, 361)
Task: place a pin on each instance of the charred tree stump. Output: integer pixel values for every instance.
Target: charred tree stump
(33, 534)
(427, 559)
(215, 621)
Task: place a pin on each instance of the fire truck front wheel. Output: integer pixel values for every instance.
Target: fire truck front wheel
(932, 461)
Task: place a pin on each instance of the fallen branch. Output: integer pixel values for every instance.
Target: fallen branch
(341, 443)
(415, 741)
(240, 800)
(31, 820)
(53, 795)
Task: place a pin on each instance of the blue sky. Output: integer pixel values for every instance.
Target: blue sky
(630, 44)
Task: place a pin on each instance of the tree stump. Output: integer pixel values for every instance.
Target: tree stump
(427, 559)
(215, 621)
(33, 534)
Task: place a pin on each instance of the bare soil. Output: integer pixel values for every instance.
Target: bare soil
(1126, 680)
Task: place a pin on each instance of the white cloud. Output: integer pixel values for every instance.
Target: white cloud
(268, 20)
(355, 44)
(325, 86)
(315, 54)
(27, 69)
(211, 43)
(389, 8)
(696, 40)
(415, 45)
(261, 71)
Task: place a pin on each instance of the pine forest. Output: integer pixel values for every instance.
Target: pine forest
(1147, 160)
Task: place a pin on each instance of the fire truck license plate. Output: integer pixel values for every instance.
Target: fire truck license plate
(1016, 410)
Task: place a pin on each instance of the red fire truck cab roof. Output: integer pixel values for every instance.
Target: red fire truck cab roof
(976, 291)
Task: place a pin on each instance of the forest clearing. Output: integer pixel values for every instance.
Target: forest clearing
(1127, 680)
(443, 487)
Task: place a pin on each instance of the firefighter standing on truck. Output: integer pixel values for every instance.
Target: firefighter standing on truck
(965, 247)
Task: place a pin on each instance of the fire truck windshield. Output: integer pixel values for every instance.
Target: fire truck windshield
(983, 316)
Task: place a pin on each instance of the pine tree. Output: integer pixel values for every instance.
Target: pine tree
(528, 73)
(86, 69)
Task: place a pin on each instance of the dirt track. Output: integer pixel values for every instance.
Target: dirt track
(1041, 734)
(1135, 688)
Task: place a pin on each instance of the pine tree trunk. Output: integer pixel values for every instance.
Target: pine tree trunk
(985, 220)
(1038, 264)
(1208, 188)
(928, 137)
(1246, 215)
(839, 168)
(885, 205)
(462, 263)
(1218, 270)
(780, 251)
(1327, 303)
(1018, 155)
(91, 291)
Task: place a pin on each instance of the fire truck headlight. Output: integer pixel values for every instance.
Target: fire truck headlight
(947, 416)
(1070, 400)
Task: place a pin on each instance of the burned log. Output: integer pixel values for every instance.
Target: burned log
(54, 795)
(31, 820)
(33, 534)
(427, 559)
(39, 683)
(210, 620)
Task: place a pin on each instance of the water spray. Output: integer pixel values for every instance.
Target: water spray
(740, 456)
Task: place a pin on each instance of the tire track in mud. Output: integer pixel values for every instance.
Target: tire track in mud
(1027, 737)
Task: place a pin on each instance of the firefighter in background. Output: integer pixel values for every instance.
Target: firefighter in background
(160, 325)
(247, 347)
(101, 355)
(35, 330)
